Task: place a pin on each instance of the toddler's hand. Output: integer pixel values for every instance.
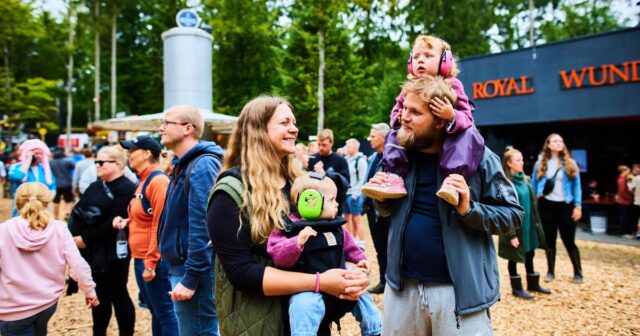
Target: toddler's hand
(515, 242)
(319, 167)
(365, 265)
(304, 235)
(442, 109)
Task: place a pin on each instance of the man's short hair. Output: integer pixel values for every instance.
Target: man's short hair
(354, 142)
(325, 134)
(189, 114)
(382, 128)
(429, 87)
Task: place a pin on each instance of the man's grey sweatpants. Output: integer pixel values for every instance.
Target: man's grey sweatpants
(429, 309)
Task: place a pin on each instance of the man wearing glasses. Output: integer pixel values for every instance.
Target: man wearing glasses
(182, 231)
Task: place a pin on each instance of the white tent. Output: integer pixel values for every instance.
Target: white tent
(151, 122)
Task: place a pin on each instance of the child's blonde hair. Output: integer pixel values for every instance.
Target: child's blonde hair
(439, 44)
(325, 186)
(32, 199)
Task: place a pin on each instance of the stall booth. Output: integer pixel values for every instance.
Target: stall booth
(585, 89)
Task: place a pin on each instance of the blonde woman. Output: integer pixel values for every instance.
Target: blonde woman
(111, 194)
(260, 159)
(519, 246)
(34, 252)
(556, 183)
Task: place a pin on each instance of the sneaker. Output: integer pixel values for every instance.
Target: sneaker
(448, 194)
(393, 189)
(360, 243)
(627, 236)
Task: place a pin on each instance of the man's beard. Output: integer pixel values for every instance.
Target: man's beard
(411, 140)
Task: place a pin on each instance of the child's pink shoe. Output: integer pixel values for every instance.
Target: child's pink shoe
(448, 194)
(392, 189)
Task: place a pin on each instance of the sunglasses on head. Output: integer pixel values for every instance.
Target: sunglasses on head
(101, 162)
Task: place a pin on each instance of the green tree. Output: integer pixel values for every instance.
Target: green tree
(16, 23)
(583, 18)
(34, 103)
(246, 52)
(346, 84)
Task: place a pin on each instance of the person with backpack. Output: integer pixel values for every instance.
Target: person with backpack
(247, 204)
(352, 207)
(152, 273)
(183, 239)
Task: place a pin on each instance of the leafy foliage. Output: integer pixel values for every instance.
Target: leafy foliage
(266, 46)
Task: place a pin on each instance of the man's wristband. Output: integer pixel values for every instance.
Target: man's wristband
(317, 282)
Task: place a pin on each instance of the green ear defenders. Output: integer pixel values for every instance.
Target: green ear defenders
(310, 201)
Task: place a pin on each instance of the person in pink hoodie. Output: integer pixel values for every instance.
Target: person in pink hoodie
(34, 251)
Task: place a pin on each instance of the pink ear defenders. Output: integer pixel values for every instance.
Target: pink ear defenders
(444, 66)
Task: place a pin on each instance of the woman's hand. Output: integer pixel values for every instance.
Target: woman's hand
(577, 214)
(349, 285)
(119, 222)
(148, 275)
(515, 243)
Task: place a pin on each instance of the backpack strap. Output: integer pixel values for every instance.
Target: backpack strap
(230, 185)
(187, 183)
(146, 205)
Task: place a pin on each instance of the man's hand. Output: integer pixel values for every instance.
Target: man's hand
(515, 243)
(304, 235)
(457, 182)
(442, 109)
(79, 242)
(318, 167)
(181, 292)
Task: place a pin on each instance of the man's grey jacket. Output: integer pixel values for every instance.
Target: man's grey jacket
(468, 245)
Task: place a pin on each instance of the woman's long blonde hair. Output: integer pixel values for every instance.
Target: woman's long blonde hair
(250, 150)
(32, 199)
(509, 153)
(570, 165)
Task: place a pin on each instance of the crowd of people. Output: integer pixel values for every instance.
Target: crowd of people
(267, 236)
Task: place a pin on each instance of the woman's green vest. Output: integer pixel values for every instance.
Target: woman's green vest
(244, 313)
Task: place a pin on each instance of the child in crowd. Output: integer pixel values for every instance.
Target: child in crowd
(314, 241)
(34, 251)
(463, 147)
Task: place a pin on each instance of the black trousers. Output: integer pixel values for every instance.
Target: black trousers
(528, 264)
(111, 287)
(379, 227)
(628, 221)
(556, 216)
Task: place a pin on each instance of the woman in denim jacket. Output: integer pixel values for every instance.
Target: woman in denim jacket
(560, 207)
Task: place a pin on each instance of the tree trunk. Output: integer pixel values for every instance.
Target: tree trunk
(96, 88)
(113, 60)
(321, 81)
(71, 19)
(7, 79)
